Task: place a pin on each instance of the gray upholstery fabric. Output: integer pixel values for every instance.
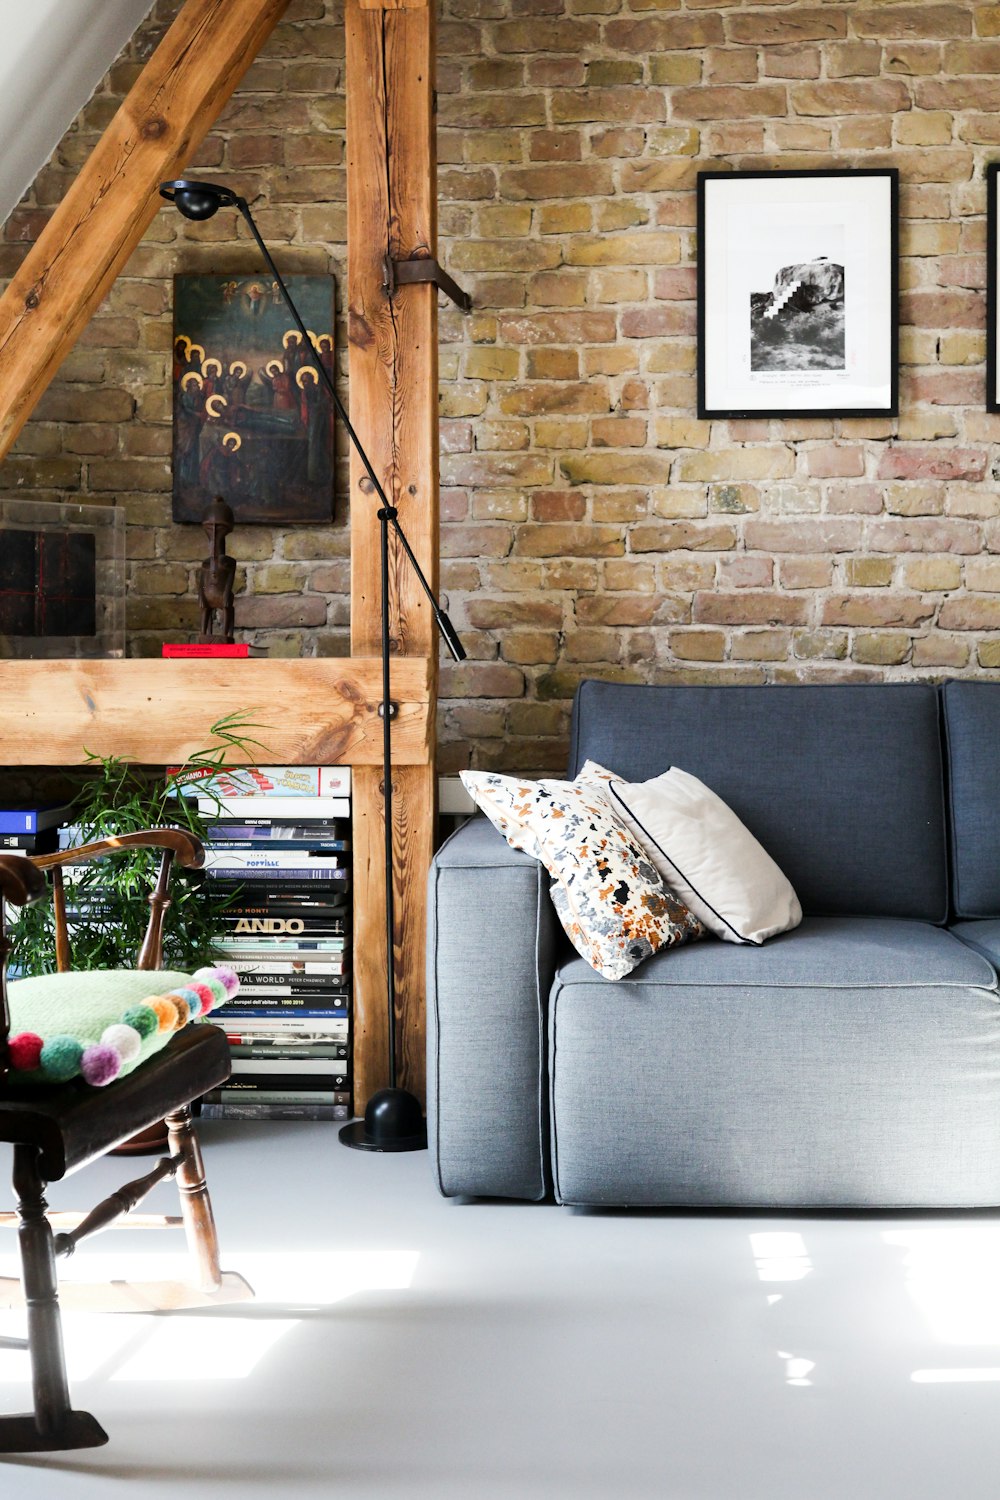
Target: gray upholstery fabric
(856, 952)
(863, 1075)
(843, 785)
(493, 941)
(983, 936)
(972, 728)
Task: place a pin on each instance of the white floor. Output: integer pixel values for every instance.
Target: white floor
(405, 1346)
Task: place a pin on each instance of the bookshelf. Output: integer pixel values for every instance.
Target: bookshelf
(322, 712)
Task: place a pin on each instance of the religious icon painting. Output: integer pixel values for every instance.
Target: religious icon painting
(253, 421)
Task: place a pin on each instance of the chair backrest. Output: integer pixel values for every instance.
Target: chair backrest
(842, 784)
(22, 880)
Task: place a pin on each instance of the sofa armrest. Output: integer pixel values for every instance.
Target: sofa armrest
(492, 950)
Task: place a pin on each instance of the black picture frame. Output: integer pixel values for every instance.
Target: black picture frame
(838, 345)
(992, 331)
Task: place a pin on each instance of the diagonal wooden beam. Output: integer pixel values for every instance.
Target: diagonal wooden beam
(106, 212)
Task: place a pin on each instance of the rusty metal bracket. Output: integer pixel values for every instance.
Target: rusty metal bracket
(422, 269)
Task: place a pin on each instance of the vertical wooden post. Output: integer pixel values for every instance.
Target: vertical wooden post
(392, 211)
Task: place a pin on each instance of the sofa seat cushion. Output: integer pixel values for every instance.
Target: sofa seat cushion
(982, 936)
(823, 952)
(850, 1063)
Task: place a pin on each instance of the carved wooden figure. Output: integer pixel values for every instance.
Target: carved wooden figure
(218, 573)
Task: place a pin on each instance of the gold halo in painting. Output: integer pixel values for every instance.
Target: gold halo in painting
(305, 370)
(232, 441)
(191, 348)
(191, 375)
(293, 335)
(212, 410)
(183, 342)
(273, 367)
(212, 361)
(237, 368)
(325, 338)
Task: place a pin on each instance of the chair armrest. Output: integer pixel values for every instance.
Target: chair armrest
(21, 882)
(186, 848)
(493, 947)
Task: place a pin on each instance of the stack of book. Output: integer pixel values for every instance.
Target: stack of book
(279, 850)
(31, 830)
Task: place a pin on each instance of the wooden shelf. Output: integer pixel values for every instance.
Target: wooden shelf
(305, 712)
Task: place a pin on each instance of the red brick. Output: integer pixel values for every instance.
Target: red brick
(935, 462)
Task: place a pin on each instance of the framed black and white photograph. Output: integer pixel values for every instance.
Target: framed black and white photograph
(797, 293)
(992, 329)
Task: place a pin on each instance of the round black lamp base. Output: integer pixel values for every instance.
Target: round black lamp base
(393, 1122)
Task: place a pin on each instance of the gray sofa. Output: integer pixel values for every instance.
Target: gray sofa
(853, 1062)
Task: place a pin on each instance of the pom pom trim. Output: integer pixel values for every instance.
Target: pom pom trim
(64, 1057)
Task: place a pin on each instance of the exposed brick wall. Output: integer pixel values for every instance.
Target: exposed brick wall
(591, 524)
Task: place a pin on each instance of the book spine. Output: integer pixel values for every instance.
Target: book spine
(278, 1052)
(283, 926)
(244, 1111)
(238, 873)
(279, 946)
(221, 861)
(271, 807)
(265, 845)
(288, 1083)
(45, 842)
(263, 782)
(285, 1005)
(319, 984)
(275, 972)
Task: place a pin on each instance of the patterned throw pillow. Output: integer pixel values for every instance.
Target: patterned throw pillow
(100, 1024)
(613, 904)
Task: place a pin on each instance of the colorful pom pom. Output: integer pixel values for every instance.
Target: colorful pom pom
(25, 1051)
(223, 974)
(142, 1019)
(206, 997)
(219, 996)
(181, 1006)
(124, 1039)
(166, 1013)
(99, 1065)
(60, 1057)
(193, 998)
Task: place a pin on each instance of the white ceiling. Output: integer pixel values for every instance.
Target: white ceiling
(53, 54)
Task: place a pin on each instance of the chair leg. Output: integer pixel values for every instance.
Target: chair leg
(54, 1424)
(196, 1206)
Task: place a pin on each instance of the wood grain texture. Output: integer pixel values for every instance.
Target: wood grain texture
(161, 712)
(392, 198)
(102, 218)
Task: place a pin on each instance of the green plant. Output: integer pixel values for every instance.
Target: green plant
(110, 893)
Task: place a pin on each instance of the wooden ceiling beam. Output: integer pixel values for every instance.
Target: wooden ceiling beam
(106, 212)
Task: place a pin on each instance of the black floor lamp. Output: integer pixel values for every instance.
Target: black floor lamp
(393, 1118)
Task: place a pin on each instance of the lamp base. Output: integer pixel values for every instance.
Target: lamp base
(393, 1122)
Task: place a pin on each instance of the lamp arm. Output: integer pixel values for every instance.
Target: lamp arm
(444, 625)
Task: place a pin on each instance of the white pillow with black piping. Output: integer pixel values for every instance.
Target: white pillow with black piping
(708, 858)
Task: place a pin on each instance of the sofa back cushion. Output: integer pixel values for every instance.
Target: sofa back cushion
(843, 785)
(972, 734)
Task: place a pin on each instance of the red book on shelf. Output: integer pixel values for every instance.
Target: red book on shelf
(206, 648)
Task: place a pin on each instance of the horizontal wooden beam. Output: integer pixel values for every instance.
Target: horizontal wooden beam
(102, 218)
(305, 712)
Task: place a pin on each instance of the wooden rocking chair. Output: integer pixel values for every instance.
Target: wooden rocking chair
(57, 1129)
